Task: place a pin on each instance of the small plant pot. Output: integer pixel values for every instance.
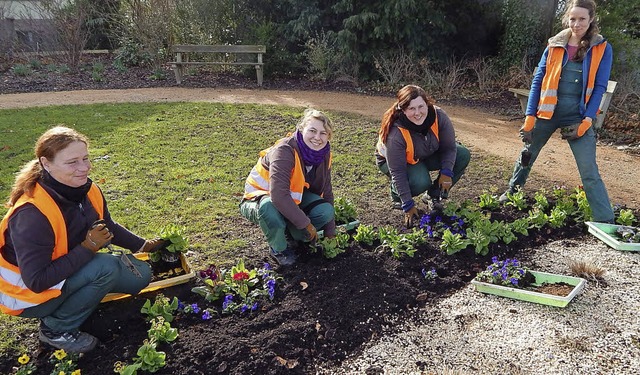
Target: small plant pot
(169, 257)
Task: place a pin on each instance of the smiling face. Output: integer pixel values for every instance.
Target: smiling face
(314, 134)
(70, 166)
(416, 111)
(579, 21)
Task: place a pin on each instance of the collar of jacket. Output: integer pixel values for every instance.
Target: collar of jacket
(562, 38)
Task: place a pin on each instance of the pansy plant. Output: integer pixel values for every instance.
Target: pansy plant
(507, 272)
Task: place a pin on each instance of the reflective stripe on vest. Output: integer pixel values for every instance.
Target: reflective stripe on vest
(549, 86)
(406, 134)
(14, 294)
(257, 182)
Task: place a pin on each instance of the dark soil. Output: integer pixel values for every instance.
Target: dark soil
(347, 302)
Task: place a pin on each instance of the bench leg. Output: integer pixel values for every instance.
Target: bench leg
(177, 70)
(259, 74)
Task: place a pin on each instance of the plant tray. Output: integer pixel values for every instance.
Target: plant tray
(535, 297)
(348, 226)
(157, 284)
(607, 233)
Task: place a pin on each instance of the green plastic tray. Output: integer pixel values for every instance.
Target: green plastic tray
(347, 226)
(606, 232)
(535, 297)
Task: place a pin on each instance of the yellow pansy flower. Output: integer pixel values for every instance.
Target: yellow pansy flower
(23, 359)
(76, 372)
(60, 354)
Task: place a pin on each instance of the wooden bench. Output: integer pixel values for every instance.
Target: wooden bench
(223, 55)
(523, 96)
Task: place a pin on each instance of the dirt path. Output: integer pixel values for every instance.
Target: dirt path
(491, 133)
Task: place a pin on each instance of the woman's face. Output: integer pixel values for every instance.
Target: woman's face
(416, 111)
(579, 21)
(70, 166)
(314, 135)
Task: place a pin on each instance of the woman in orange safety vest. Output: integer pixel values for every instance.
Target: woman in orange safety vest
(288, 192)
(49, 268)
(565, 94)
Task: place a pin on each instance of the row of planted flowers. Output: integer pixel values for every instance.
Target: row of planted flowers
(241, 290)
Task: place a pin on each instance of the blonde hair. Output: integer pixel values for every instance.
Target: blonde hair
(314, 114)
(48, 145)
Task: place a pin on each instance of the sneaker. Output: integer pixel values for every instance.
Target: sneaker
(72, 342)
(396, 205)
(284, 258)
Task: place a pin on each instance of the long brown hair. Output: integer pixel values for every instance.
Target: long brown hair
(404, 96)
(48, 145)
(593, 29)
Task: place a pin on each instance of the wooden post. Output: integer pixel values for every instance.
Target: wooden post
(177, 68)
(259, 69)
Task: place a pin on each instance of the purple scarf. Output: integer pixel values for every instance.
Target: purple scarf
(310, 156)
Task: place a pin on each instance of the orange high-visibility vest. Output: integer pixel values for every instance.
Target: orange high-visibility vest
(406, 134)
(257, 183)
(14, 295)
(549, 86)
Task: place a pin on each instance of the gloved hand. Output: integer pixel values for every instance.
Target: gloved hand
(526, 131)
(152, 245)
(444, 182)
(573, 132)
(313, 234)
(97, 237)
(410, 217)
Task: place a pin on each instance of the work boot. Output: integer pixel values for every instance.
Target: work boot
(283, 258)
(71, 342)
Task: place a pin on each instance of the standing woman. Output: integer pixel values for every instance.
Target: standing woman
(566, 92)
(49, 268)
(417, 137)
(288, 192)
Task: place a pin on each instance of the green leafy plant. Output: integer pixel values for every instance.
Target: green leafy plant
(345, 211)
(520, 226)
(400, 244)
(25, 367)
(22, 70)
(557, 217)
(584, 210)
(365, 234)
(537, 218)
(488, 201)
(161, 307)
(508, 273)
(149, 358)
(516, 199)
(625, 217)
(161, 330)
(541, 199)
(430, 275)
(452, 243)
(176, 241)
(332, 247)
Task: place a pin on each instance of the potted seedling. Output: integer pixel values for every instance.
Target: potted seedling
(175, 243)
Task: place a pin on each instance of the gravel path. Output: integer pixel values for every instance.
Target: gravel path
(473, 333)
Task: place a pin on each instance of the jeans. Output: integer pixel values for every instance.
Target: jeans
(275, 226)
(83, 291)
(584, 152)
(418, 174)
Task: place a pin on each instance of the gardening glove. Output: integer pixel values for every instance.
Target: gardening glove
(97, 237)
(526, 131)
(152, 245)
(410, 216)
(444, 182)
(313, 234)
(574, 132)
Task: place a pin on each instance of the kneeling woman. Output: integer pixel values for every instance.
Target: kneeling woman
(415, 138)
(288, 192)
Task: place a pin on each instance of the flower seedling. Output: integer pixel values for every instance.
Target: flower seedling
(149, 358)
(537, 218)
(64, 363)
(507, 273)
(162, 306)
(345, 211)
(332, 247)
(26, 367)
(557, 217)
(541, 200)
(175, 242)
(452, 243)
(488, 201)
(516, 199)
(629, 234)
(625, 217)
(430, 275)
(584, 210)
(162, 331)
(365, 234)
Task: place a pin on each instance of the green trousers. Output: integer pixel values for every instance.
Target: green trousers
(83, 291)
(275, 227)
